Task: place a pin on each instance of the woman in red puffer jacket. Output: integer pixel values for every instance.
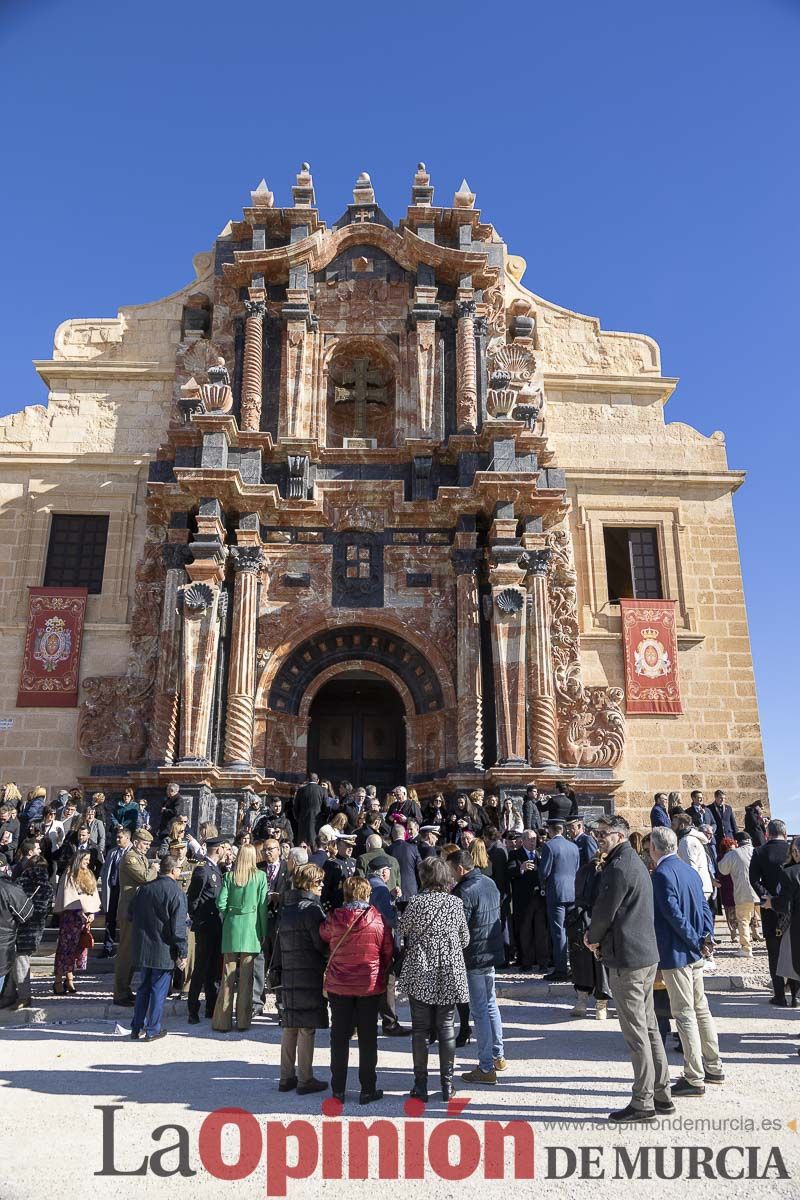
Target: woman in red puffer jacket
(361, 947)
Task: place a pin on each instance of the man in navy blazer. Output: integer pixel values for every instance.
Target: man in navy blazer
(684, 926)
(408, 859)
(658, 813)
(558, 865)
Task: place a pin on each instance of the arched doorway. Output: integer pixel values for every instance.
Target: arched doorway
(357, 731)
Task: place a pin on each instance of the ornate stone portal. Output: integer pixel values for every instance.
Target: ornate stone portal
(357, 485)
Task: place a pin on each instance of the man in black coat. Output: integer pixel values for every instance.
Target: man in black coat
(160, 935)
(523, 879)
(308, 803)
(697, 810)
(765, 869)
(426, 841)
(622, 930)
(408, 857)
(531, 816)
(558, 807)
(485, 951)
(15, 909)
(336, 870)
(201, 901)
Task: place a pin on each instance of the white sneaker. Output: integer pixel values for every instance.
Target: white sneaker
(744, 953)
(601, 1010)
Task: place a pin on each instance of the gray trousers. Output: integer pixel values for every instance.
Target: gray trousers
(18, 981)
(632, 989)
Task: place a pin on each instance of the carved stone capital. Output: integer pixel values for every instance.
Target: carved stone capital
(466, 308)
(537, 561)
(255, 308)
(175, 555)
(246, 558)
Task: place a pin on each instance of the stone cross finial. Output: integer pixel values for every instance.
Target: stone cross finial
(464, 198)
(262, 197)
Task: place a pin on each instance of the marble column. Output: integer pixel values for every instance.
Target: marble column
(247, 562)
(163, 747)
(199, 602)
(467, 383)
(542, 714)
(252, 375)
(468, 668)
(508, 647)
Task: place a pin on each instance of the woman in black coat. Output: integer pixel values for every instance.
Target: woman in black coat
(300, 955)
(787, 902)
(589, 976)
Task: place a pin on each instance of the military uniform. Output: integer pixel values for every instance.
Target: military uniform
(134, 870)
(205, 886)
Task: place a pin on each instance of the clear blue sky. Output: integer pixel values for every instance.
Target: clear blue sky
(643, 159)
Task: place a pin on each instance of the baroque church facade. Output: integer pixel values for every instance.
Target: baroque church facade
(364, 504)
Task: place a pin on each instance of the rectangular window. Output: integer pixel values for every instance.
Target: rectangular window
(76, 553)
(632, 567)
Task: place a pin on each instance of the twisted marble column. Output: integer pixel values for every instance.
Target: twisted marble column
(252, 374)
(467, 383)
(164, 723)
(542, 713)
(247, 561)
(470, 681)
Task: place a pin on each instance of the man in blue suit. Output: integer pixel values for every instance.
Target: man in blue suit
(587, 846)
(558, 866)
(658, 813)
(684, 928)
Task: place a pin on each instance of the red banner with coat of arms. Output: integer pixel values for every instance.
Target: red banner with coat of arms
(52, 654)
(650, 650)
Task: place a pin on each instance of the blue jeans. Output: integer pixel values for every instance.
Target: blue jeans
(486, 1015)
(151, 996)
(556, 917)
(2, 981)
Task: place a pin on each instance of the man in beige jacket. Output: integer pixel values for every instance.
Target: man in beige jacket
(134, 870)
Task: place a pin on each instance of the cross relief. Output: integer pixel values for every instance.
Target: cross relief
(359, 383)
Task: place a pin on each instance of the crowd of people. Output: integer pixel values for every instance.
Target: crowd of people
(339, 900)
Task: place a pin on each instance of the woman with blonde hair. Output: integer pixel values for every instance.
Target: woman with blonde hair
(480, 857)
(339, 822)
(242, 902)
(77, 901)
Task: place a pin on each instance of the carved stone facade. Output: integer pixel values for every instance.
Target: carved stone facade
(370, 539)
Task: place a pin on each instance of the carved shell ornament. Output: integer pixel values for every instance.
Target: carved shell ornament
(515, 362)
(509, 601)
(197, 597)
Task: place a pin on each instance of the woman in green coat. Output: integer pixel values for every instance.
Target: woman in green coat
(242, 903)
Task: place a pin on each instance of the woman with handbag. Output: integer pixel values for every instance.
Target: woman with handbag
(243, 904)
(361, 949)
(77, 901)
(433, 975)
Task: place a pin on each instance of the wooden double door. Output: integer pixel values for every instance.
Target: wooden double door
(358, 732)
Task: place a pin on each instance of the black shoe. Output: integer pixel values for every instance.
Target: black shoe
(135, 1034)
(464, 1037)
(448, 1090)
(340, 1096)
(664, 1107)
(556, 977)
(154, 1037)
(194, 1018)
(288, 1085)
(711, 1078)
(419, 1091)
(370, 1097)
(778, 1001)
(630, 1115)
(126, 1003)
(682, 1087)
(397, 1030)
(313, 1085)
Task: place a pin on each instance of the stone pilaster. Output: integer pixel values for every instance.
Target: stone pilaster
(164, 725)
(468, 665)
(542, 715)
(250, 412)
(508, 648)
(199, 602)
(247, 562)
(467, 383)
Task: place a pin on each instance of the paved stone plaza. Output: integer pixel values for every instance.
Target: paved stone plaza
(565, 1074)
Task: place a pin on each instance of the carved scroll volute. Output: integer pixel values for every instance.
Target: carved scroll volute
(591, 724)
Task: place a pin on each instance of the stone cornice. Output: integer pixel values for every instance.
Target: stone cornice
(50, 369)
(650, 387)
(727, 480)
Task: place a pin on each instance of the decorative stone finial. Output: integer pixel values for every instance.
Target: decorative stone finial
(421, 190)
(303, 192)
(363, 192)
(262, 197)
(464, 198)
(217, 395)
